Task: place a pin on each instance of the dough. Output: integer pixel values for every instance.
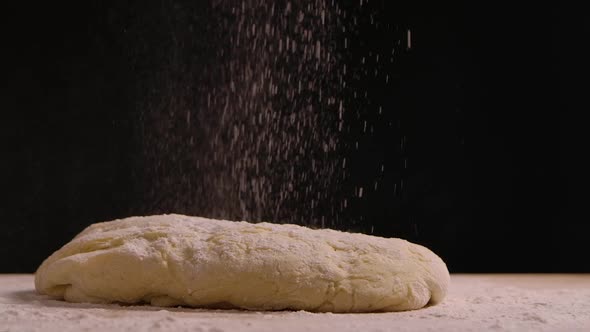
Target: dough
(170, 260)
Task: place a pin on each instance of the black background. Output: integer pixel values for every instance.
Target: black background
(481, 95)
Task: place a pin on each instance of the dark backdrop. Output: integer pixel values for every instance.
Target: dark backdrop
(479, 97)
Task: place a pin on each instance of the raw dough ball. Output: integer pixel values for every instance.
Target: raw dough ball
(170, 260)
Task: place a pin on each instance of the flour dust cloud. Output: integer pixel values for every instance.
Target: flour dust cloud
(265, 110)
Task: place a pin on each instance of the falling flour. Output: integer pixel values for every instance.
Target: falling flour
(248, 110)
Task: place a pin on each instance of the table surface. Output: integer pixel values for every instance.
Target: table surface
(477, 302)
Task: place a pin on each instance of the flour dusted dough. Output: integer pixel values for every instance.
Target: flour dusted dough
(170, 260)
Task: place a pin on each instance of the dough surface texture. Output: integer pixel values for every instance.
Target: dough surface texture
(170, 260)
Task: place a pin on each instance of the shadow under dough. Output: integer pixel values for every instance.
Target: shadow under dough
(31, 297)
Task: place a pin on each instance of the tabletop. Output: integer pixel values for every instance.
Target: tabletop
(476, 302)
